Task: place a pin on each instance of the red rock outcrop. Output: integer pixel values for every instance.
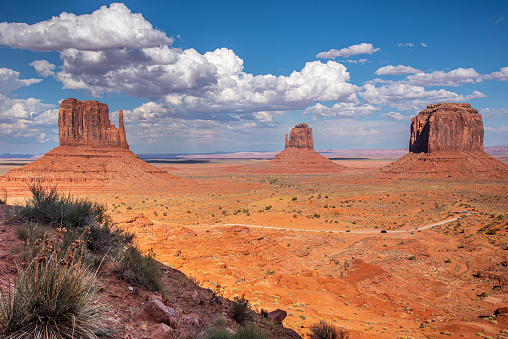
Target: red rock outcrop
(447, 127)
(87, 123)
(93, 153)
(446, 141)
(300, 137)
(299, 154)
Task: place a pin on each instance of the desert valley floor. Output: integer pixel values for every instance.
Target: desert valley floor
(312, 244)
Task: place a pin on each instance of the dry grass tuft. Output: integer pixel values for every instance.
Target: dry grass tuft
(54, 297)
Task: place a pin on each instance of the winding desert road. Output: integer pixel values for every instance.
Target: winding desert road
(305, 230)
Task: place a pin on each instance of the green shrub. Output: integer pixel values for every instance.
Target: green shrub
(105, 238)
(240, 310)
(29, 233)
(323, 330)
(492, 232)
(47, 206)
(413, 257)
(250, 332)
(217, 333)
(54, 297)
(139, 269)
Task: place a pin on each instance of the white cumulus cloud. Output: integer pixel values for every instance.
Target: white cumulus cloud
(363, 48)
(502, 75)
(397, 70)
(341, 110)
(43, 67)
(108, 27)
(405, 96)
(455, 77)
(10, 81)
(493, 112)
(396, 116)
(189, 82)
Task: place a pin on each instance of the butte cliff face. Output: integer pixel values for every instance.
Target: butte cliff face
(446, 141)
(299, 155)
(93, 153)
(87, 123)
(300, 137)
(447, 127)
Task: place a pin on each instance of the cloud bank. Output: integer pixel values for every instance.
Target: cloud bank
(108, 27)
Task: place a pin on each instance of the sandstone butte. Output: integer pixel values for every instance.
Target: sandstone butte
(446, 141)
(299, 154)
(92, 153)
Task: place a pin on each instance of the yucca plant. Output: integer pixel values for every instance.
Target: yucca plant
(55, 297)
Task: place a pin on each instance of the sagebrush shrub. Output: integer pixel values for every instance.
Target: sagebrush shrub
(323, 330)
(240, 310)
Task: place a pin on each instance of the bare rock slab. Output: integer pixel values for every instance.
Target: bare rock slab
(155, 311)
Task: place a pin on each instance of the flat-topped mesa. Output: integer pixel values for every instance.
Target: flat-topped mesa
(300, 137)
(447, 127)
(446, 141)
(87, 123)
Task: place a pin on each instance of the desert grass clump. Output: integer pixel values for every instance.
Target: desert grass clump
(139, 269)
(54, 297)
(47, 206)
(323, 330)
(245, 332)
(241, 310)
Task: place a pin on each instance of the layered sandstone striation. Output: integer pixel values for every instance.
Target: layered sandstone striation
(299, 154)
(447, 127)
(87, 123)
(300, 137)
(92, 153)
(446, 141)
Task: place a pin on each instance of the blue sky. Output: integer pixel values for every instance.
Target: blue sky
(203, 76)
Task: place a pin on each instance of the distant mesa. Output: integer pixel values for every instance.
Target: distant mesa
(299, 154)
(92, 153)
(446, 141)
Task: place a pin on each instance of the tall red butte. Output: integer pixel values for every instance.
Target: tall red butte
(446, 141)
(87, 123)
(299, 154)
(93, 153)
